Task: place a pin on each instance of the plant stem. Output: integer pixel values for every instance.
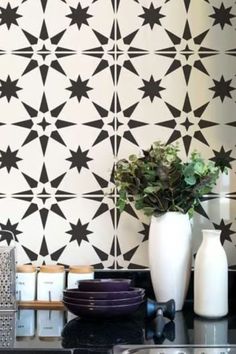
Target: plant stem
(160, 203)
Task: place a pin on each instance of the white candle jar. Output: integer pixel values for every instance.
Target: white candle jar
(25, 323)
(51, 283)
(50, 323)
(77, 273)
(25, 283)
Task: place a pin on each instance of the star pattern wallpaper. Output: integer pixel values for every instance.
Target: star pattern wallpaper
(84, 83)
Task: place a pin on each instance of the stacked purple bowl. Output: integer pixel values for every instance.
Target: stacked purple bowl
(103, 298)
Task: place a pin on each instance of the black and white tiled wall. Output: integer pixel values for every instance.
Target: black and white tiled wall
(86, 82)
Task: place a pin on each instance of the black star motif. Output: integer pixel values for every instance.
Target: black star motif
(9, 16)
(8, 88)
(79, 88)
(35, 56)
(222, 158)
(44, 52)
(222, 16)
(187, 45)
(9, 159)
(151, 88)
(187, 124)
(79, 159)
(79, 232)
(48, 191)
(151, 16)
(198, 125)
(9, 227)
(187, 52)
(222, 88)
(109, 127)
(79, 16)
(44, 124)
(225, 231)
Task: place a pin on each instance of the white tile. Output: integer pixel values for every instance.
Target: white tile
(96, 17)
(145, 31)
(218, 19)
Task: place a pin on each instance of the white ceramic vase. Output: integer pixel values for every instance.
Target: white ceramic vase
(170, 256)
(211, 277)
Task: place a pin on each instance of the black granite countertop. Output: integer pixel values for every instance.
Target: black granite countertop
(55, 331)
(60, 330)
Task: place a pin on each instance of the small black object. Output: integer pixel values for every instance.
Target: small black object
(167, 309)
(157, 311)
(152, 332)
(160, 323)
(168, 333)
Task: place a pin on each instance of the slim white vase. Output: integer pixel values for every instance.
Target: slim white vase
(170, 256)
(211, 277)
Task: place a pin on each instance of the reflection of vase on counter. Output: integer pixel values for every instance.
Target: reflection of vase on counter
(210, 332)
(50, 323)
(181, 330)
(25, 323)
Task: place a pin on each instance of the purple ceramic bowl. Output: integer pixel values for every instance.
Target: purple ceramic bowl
(90, 302)
(101, 311)
(104, 285)
(103, 295)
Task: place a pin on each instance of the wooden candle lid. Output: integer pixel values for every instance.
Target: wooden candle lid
(52, 268)
(25, 268)
(81, 269)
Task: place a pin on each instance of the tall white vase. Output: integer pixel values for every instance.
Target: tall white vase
(170, 256)
(211, 277)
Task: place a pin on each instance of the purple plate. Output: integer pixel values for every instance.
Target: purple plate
(104, 285)
(101, 311)
(103, 295)
(90, 302)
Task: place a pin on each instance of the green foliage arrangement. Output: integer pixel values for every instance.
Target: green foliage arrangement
(160, 181)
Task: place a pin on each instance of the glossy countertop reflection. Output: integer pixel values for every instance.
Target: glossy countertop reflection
(58, 329)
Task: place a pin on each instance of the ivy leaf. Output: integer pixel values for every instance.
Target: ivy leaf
(148, 211)
(190, 180)
(122, 200)
(151, 190)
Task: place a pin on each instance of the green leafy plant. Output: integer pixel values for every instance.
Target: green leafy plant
(159, 181)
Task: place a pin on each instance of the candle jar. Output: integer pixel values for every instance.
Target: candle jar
(25, 283)
(50, 323)
(51, 283)
(25, 323)
(77, 273)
